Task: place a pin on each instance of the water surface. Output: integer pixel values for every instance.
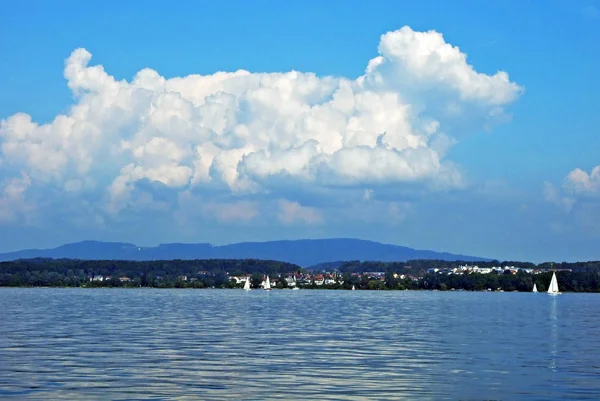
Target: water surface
(340, 345)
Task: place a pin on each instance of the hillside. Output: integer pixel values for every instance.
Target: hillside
(301, 252)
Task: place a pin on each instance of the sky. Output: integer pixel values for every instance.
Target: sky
(467, 126)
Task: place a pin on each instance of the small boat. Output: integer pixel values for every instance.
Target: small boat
(553, 287)
(295, 288)
(247, 285)
(534, 288)
(353, 288)
(267, 286)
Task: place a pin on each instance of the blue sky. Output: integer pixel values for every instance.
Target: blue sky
(428, 147)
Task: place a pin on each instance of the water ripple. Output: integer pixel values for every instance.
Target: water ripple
(92, 344)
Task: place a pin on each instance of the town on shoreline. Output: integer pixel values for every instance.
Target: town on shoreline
(232, 273)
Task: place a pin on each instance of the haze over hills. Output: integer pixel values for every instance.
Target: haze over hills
(301, 252)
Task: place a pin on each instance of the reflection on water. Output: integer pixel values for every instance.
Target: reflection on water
(337, 345)
(553, 321)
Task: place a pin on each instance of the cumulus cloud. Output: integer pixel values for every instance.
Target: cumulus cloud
(293, 212)
(250, 134)
(577, 186)
(579, 196)
(581, 182)
(12, 199)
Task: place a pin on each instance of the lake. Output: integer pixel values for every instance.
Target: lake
(309, 344)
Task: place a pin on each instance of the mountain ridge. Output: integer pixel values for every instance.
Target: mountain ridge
(304, 252)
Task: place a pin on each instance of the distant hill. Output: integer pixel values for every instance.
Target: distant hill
(301, 252)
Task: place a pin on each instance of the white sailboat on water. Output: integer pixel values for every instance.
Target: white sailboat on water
(534, 288)
(553, 287)
(247, 284)
(353, 288)
(267, 286)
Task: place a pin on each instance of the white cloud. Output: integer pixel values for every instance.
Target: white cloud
(577, 186)
(244, 133)
(578, 181)
(423, 61)
(579, 196)
(553, 195)
(231, 212)
(12, 199)
(293, 212)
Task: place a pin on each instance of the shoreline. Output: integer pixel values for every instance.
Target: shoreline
(290, 289)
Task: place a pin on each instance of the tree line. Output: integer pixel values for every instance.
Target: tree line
(568, 281)
(165, 274)
(506, 281)
(584, 277)
(422, 265)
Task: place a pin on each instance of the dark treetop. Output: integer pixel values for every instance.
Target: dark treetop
(414, 274)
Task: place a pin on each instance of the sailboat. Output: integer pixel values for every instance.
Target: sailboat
(534, 288)
(247, 285)
(353, 288)
(267, 286)
(553, 287)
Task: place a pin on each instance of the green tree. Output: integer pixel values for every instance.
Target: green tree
(376, 285)
(390, 280)
(256, 280)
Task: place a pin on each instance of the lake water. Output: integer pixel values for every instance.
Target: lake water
(231, 344)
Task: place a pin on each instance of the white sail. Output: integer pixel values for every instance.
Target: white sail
(353, 288)
(247, 284)
(553, 287)
(535, 288)
(267, 284)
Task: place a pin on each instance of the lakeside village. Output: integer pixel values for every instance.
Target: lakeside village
(344, 275)
(364, 280)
